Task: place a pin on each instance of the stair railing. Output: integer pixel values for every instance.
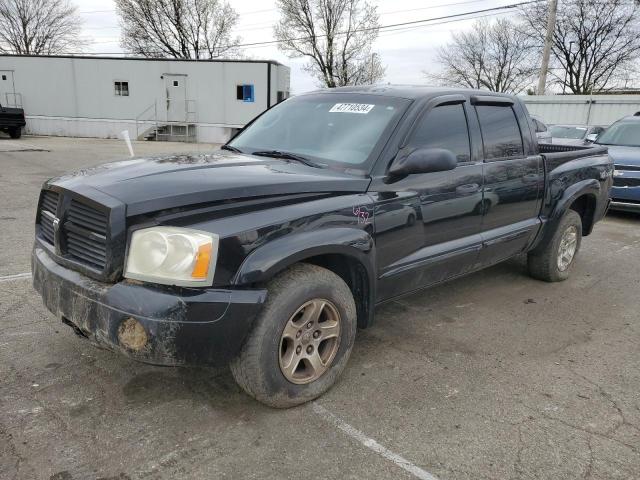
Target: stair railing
(141, 118)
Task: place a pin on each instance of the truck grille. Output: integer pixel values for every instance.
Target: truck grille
(48, 208)
(635, 168)
(85, 232)
(626, 182)
(79, 233)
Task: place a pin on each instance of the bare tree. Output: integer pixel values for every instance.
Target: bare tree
(178, 28)
(38, 27)
(335, 35)
(595, 42)
(494, 56)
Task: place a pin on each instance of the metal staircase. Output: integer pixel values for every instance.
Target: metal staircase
(149, 127)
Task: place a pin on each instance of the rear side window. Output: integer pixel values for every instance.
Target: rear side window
(500, 132)
(444, 127)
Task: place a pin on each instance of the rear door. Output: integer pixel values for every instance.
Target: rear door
(428, 225)
(513, 180)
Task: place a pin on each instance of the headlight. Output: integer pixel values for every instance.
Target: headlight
(172, 256)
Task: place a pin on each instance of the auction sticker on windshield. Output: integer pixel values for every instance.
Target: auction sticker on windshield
(362, 108)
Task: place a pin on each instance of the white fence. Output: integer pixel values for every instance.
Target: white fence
(582, 109)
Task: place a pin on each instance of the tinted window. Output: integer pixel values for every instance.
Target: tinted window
(500, 132)
(444, 127)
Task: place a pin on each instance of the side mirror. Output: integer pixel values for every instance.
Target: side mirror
(591, 138)
(424, 160)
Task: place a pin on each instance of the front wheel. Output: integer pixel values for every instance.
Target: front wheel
(302, 339)
(554, 261)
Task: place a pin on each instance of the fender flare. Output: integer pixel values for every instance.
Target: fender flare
(583, 187)
(589, 186)
(266, 261)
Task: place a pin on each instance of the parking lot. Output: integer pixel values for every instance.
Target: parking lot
(492, 376)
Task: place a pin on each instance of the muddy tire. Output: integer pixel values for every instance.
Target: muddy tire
(301, 341)
(554, 261)
(15, 132)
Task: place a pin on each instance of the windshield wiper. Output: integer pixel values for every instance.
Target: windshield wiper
(230, 148)
(286, 156)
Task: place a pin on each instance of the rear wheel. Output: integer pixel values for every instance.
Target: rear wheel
(554, 261)
(302, 339)
(15, 132)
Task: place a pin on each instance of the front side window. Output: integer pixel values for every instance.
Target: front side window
(121, 89)
(444, 127)
(500, 132)
(330, 128)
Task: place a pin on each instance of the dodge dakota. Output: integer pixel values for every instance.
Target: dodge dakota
(271, 252)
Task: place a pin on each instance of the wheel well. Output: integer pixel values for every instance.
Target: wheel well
(585, 206)
(354, 275)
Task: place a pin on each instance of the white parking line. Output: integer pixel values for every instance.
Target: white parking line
(17, 276)
(371, 444)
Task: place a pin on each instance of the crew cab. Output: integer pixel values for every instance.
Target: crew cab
(269, 253)
(11, 121)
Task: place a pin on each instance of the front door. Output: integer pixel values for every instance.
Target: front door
(513, 181)
(428, 225)
(176, 97)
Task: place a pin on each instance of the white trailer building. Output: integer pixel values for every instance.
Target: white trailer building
(151, 98)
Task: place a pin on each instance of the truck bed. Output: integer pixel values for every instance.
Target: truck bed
(556, 155)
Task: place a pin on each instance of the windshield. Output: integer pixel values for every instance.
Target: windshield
(623, 134)
(335, 129)
(576, 133)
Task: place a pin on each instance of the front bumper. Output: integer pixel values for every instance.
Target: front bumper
(625, 198)
(625, 205)
(183, 326)
(625, 193)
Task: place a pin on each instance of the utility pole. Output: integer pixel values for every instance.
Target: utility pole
(546, 53)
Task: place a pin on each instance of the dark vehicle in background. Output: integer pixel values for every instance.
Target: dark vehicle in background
(575, 134)
(542, 131)
(623, 141)
(12, 121)
(270, 253)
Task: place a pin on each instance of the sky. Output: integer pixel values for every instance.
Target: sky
(406, 51)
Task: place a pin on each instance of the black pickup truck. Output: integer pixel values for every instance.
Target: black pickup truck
(269, 253)
(11, 121)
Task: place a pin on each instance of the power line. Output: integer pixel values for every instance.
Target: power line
(414, 22)
(382, 27)
(269, 24)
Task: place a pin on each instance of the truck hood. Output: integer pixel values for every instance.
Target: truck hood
(625, 155)
(151, 184)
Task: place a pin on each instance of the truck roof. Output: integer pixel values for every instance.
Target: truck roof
(408, 91)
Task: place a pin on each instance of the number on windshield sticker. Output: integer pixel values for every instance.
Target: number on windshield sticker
(362, 108)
